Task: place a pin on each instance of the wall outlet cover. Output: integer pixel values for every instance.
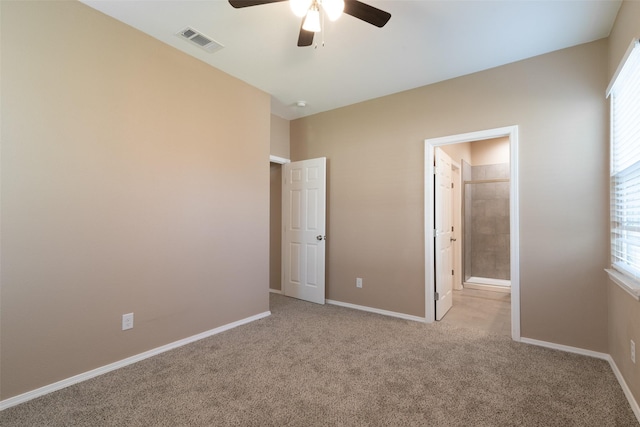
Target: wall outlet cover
(127, 321)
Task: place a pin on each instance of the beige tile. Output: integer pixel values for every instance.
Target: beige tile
(503, 225)
(483, 225)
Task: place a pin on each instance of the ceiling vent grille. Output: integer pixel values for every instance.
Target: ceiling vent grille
(199, 39)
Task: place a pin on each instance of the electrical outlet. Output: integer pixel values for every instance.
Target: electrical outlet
(127, 321)
(633, 351)
(358, 282)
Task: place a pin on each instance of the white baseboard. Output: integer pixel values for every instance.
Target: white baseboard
(482, 287)
(377, 311)
(488, 281)
(625, 388)
(566, 348)
(275, 291)
(21, 398)
(604, 356)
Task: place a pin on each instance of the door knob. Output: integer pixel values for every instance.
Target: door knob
(320, 237)
(452, 239)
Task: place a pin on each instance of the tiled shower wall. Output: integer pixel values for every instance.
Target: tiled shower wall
(486, 222)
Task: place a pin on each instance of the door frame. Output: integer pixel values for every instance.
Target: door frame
(456, 169)
(512, 133)
(279, 161)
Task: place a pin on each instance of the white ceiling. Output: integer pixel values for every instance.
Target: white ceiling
(423, 43)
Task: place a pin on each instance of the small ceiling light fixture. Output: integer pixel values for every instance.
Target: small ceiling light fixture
(300, 7)
(310, 9)
(301, 104)
(334, 8)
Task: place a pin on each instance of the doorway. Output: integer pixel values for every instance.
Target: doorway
(298, 228)
(510, 133)
(275, 224)
(304, 202)
(485, 211)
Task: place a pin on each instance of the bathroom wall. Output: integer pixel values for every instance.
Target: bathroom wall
(490, 151)
(487, 213)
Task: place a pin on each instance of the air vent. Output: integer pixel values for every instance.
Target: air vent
(199, 39)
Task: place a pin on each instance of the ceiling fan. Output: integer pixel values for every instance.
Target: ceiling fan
(309, 10)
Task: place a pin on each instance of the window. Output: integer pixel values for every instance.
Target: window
(625, 169)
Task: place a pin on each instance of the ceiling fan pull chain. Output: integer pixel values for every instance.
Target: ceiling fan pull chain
(322, 27)
(315, 46)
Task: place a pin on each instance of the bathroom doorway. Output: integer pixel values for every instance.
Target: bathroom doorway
(487, 237)
(486, 217)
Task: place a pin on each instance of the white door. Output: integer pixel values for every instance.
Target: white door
(443, 233)
(303, 222)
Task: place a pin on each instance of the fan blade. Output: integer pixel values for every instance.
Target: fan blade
(370, 14)
(246, 3)
(305, 38)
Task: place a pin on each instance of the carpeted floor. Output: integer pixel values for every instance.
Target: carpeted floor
(311, 365)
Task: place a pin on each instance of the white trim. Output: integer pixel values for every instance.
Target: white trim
(597, 355)
(565, 348)
(279, 160)
(634, 43)
(21, 398)
(376, 310)
(628, 285)
(625, 388)
(473, 280)
(275, 291)
(514, 218)
(492, 288)
(512, 133)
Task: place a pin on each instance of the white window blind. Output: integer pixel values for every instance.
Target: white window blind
(625, 165)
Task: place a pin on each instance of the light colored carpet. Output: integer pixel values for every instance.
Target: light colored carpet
(311, 365)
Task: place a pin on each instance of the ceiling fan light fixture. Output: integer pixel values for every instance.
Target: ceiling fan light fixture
(312, 21)
(333, 8)
(300, 7)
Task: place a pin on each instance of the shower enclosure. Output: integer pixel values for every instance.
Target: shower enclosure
(486, 226)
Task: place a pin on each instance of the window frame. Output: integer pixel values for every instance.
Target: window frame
(624, 274)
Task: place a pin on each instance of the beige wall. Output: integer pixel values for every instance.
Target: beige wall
(375, 167)
(484, 152)
(624, 321)
(279, 137)
(275, 240)
(458, 152)
(624, 311)
(280, 148)
(134, 179)
(490, 151)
